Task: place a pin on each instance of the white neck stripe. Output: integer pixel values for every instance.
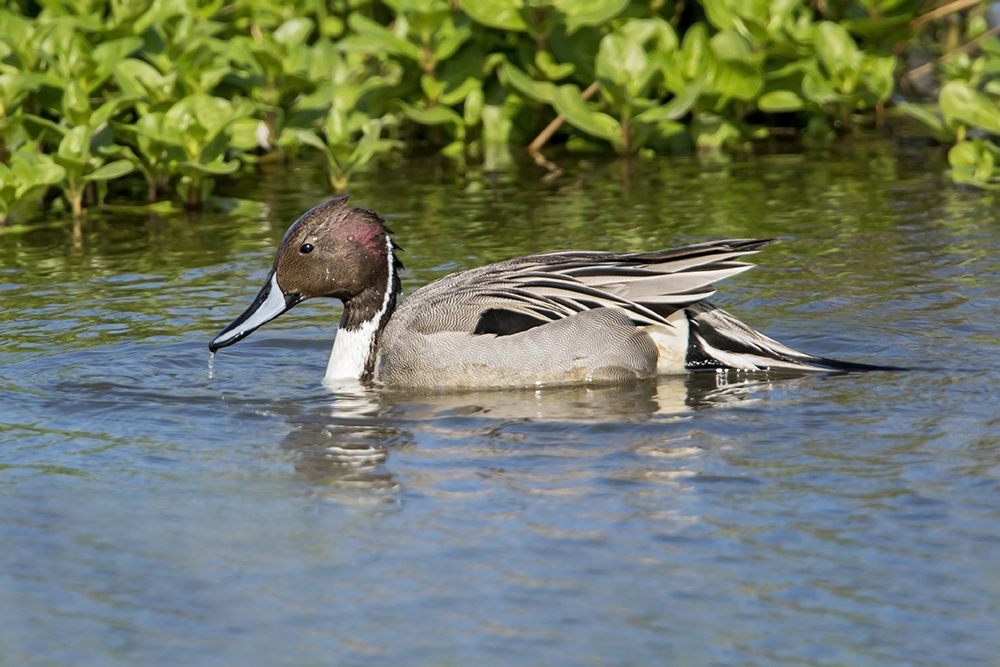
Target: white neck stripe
(390, 259)
(351, 349)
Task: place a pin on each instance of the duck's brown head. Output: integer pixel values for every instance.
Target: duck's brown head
(333, 251)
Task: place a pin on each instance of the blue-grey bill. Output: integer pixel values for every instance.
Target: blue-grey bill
(270, 303)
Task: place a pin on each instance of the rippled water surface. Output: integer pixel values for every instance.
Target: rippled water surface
(157, 508)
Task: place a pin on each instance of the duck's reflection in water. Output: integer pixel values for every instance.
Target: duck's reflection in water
(344, 446)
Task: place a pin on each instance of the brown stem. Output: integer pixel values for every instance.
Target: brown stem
(950, 8)
(194, 194)
(428, 66)
(926, 67)
(557, 122)
(626, 137)
(534, 149)
(675, 20)
(76, 203)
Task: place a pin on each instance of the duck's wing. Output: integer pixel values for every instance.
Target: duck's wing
(519, 294)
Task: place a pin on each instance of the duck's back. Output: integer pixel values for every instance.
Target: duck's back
(556, 317)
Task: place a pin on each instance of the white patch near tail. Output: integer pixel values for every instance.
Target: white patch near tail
(753, 362)
(743, 362)
(672, 343)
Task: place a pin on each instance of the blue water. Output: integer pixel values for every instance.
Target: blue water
(159, 509)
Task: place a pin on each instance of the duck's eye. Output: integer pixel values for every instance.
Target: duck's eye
(306, 248)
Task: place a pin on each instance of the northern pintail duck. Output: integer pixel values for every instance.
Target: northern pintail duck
(550, 318)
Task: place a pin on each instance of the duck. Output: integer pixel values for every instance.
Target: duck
(550, 318)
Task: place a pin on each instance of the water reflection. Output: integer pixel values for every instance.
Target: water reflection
(344, 447)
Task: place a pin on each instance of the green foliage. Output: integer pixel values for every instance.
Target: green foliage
(29, 171)
(967, 114)
(167, 96)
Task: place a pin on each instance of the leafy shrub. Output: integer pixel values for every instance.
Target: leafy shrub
(967, 114)
(180, 92)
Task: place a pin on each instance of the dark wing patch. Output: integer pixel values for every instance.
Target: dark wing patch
(503, 322)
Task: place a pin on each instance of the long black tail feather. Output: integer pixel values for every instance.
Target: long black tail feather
(719, 340)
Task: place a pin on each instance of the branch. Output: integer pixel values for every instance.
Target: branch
(950, 8)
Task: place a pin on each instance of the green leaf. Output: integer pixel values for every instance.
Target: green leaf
(432, 87)
(567, 102)
(731, 45)
(963, 154)
(539, 91)
(656, 35)
(931, 120)
(502, 14)
(779, 101)
(816, 88)
(623, 63)
(246, 134)
(446, 46)
(75, 104)
(104, 113)
(294, 31)
(711, 132)
(16, 30)
(696, 53)
(117, 49)
(836, 49)
(552, 70)
(972, 163)
(33, 170)
(455, 95)
(47, 124)
(268, 61)
(737, 80)
(110, 171)
(454, 151)
(159, 12)
(363, 152)
(212, 113)
(219, 166)
(439, 115)
(960, 103)
(588, 12)
(107, 55)
(15, 85)
(137, 78)
(682, 103)
(720, 15)
(75, 145)
(472, 111)
(658, 115)
(337, 127)
(6, 177)
(880, 29)
(365, 27)
(877, 74)
(152, 126)
(310, 139)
